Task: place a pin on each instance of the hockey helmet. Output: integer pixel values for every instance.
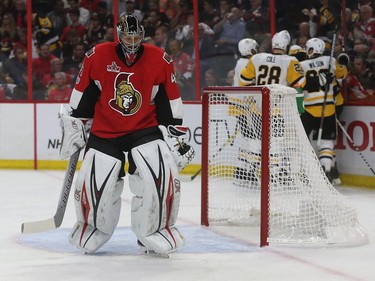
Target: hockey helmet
(315, 46)
(281, 40)
(130, 33)
(248, 47)
(295, 49)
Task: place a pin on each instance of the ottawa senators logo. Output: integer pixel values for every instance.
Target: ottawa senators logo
(127, 100)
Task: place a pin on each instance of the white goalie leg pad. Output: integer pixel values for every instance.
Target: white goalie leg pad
(156, 188)
(97, 201)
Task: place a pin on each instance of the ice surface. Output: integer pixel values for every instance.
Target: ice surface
(210, 254)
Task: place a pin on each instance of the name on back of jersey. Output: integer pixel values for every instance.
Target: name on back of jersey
(317, 63)
(271, 59)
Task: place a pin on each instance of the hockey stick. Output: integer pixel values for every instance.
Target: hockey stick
(327, 87)
(56, 220)
(228, 141)
(355, 146)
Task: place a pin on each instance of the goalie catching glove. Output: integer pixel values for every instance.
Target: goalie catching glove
(175, 136)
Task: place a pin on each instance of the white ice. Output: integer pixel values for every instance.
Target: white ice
(210, 254)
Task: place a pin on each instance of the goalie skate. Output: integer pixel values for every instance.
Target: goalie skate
(144, 250)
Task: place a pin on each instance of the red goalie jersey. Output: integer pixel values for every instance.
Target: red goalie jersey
(126, 98)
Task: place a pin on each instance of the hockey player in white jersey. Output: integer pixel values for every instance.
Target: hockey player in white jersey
(247, 48)
(275, 68)
(321, 71)
(265, 69)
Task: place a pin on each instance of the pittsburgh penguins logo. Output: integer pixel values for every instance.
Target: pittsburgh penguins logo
(127, 100)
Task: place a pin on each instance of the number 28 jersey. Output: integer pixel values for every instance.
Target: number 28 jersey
(265, 69)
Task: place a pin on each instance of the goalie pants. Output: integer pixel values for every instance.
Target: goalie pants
(116, 147)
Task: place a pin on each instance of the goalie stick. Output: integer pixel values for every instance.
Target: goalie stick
(56, 220)
(355, 146)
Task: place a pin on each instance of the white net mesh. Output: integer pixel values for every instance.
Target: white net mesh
(304, 208)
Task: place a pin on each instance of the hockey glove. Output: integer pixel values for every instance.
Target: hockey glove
(325, 78)
(73, 134)
(175, 136)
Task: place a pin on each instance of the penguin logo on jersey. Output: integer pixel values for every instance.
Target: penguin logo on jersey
(127, 100)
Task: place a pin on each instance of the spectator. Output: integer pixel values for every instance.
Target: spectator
(90, 5)
(153, 5)
(41, 66)
(95, 32)
(15, 70)
(109, 35)
(49, 79)
(211, 78)
(326, 18)
(257, 20)
(72, 39)
(105, 16)
(72, 65)
(303, 32)
(62, 91)
(211, 15)
(84, 14)
(151, 22)
(231, 30)
(19, 14)
(184, 9)
(184, 68)
(8, 35)
(45, 33)
(161, 36)
(185, 33)
(366, 26)
(75, 25)
(364, 75)
(131, 10)
(58, 17)
(207, 51)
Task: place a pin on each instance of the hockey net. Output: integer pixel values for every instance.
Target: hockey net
(259, 168)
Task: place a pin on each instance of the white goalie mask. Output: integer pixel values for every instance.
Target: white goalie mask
(281, 40)
(315, 46)
(248, 47)
(130, 33)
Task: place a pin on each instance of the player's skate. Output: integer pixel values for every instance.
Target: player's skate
(335, 175)
(146, 251)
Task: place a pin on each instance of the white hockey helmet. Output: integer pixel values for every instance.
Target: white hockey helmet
(248, 47)
(281, 40)
(130, 33)
(315, 46)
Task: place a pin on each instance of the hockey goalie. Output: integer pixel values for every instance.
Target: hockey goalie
(136, 113)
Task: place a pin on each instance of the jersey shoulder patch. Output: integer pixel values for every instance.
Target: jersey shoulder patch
(167, 58)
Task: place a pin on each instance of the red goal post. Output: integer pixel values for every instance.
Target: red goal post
(259, 168)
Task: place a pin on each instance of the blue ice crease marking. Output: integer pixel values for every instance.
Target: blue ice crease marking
(198, 240)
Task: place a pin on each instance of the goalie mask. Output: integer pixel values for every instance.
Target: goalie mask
(315, 47)
(247, 47)
(130, 33)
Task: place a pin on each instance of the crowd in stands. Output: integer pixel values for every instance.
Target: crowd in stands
(63, 30)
